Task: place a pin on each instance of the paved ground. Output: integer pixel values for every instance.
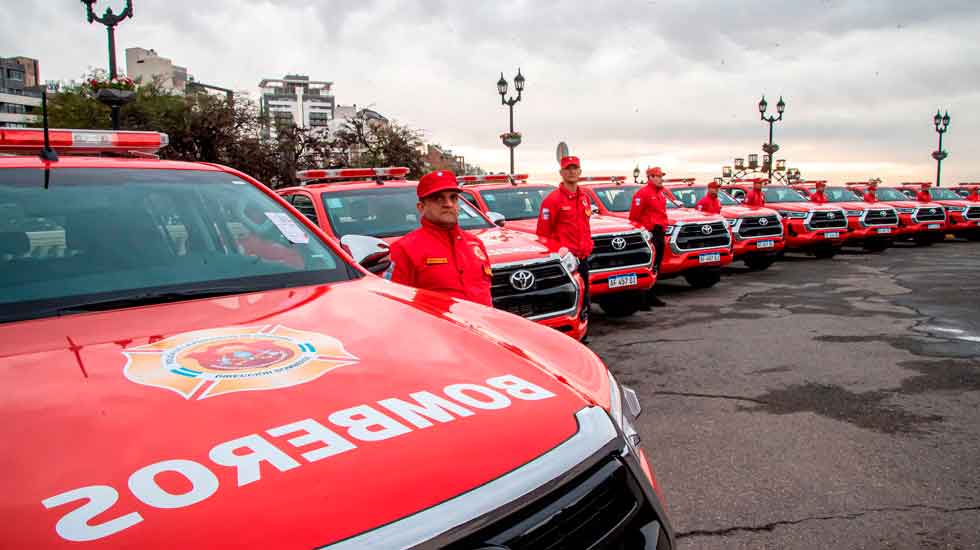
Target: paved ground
(819, 404)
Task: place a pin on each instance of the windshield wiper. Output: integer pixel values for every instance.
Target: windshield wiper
(146, 298)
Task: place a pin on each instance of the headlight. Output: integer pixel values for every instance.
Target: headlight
(788, 214)
(647, 236)
(906, 210)
(669, 230)
(624, 408)
(854, 213)
(569, 262)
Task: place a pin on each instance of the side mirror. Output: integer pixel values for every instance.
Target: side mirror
(594, 208)
(372, 253)
(497, 218)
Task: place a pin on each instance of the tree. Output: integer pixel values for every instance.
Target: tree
(367, 143)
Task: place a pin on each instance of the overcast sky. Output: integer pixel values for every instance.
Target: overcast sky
(624, 83)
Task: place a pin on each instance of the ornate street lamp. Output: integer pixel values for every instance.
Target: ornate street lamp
(636, 174)
(771, 148)
(942, 123)
(753, 161)
(511, 139)
(114, 100)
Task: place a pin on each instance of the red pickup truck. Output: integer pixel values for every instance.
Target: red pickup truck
(962, 216)
(810, 227)
(872, 226)
(621, 261)
(917, 221)
(758, 232)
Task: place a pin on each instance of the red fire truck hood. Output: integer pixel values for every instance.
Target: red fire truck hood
(600, 224)
(273, 419)
(505, 245)
(688, 215)
(745, 211)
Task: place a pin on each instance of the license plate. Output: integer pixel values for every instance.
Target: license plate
(765, 244)
(622, 280)
(884, 230)
(709, 258)
(933, 226)
(832, 235)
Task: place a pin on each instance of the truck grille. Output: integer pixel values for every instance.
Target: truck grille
(695, 236)
(552, 291)
(603, 508)
(828, 220)
(634, 253)
(972, 213)
(753, 227)
(930, 214)
(881, 217)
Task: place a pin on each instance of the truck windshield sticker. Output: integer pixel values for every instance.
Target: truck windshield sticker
(288, 227)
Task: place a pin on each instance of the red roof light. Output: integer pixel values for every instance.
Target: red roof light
(351, 173)
(30, 141)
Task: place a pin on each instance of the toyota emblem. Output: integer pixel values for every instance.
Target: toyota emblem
(763, 221)
(831, 215)
(618, 243)
(707, 229)
(932, 210)
(522, 279)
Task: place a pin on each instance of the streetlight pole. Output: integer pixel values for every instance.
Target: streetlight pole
(771, 148)
(511, 139)
(110, 20)
(942, 123)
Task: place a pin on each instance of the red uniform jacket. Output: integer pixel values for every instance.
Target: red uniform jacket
(818, 197)
(870, 196)
(649, 207)
(923, 196)
(451, 261)
(974, 196)
(709, 205)
(754, 198)
(564, 218)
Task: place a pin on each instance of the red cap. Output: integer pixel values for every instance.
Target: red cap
(926, 184)
(655, 171)
(570, 161)
(433, 182)
(714, 185)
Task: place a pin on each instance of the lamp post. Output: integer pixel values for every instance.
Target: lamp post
(636, 174)
(110, 20)
(771, 148)
(942, 123)
(511, 139)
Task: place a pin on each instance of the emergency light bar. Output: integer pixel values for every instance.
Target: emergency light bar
(351, 173)
(686, 181)
(491, 178)
(31, 140)
(614, 179)
(750, 180)
(969, 184)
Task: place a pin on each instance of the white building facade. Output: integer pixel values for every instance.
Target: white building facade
(297, 100)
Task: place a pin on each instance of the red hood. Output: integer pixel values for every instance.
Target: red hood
(856, 205)
(675, 215)
(77, 415)
(601, 224)
(802, 206)
(741, 211)
(910, 204)
(951, 202)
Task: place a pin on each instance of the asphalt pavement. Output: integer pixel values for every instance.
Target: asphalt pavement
(817, 404)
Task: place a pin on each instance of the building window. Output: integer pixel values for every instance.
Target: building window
(15, 75)
(319, 119)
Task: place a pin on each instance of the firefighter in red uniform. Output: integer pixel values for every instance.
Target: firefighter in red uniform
(974, 195)
(709, 204)
(564, 218)
(439, 256)
(923, 194)
(649, 210)
(871, 195)
(818, 196)
(756, 197)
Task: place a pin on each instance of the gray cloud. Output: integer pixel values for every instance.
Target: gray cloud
(623, 82)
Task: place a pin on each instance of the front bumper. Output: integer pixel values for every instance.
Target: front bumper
(539, 494)
(858, 232)
(676, 263)
(957, 223)
(599, 282)
(800, 237)
(909, 227)
(744, 248)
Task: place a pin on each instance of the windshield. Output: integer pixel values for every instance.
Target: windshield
(616, 198)
(385, 212)
(781, 193)
(944, 194)
(888, 194)
(689, 196)
(840, 194)
(517, 202)
(112, 236)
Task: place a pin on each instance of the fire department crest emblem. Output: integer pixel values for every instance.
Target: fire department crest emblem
(206, 363)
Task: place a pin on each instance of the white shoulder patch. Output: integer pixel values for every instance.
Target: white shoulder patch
(545, 213)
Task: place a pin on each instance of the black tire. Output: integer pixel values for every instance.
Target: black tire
(759, 263)
(825, 252)
(622, 304)
(703, 278)
(924, 240)
(973, 236)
